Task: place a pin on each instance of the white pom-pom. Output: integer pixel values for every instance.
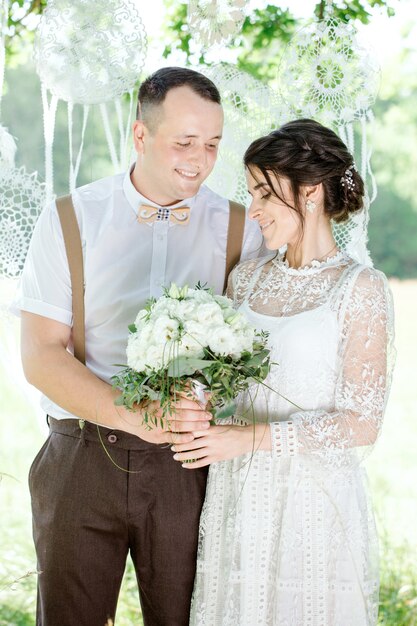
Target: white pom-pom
(7, 148)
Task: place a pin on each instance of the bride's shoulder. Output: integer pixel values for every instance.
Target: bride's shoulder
(247, 268)
(370, 285)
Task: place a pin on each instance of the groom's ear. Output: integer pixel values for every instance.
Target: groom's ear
(139, 136)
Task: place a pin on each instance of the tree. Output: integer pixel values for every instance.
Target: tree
(267, 29)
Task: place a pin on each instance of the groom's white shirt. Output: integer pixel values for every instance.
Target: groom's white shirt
(125, 262)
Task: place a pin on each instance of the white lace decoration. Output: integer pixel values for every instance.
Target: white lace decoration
(89, 53)
(22, 198)
(251, 109)
(330, 74)
(214, 22)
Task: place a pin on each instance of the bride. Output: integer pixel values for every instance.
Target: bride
(287, 535)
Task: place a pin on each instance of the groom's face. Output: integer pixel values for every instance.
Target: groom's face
(176, 155)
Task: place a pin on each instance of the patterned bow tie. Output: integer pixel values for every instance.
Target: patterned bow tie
(149, 214)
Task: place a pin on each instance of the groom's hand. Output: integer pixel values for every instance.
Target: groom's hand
(188, 416)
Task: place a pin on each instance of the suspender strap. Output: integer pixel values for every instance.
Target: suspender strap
(235, 232)
(72, 240)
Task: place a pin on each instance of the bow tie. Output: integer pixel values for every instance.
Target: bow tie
(148, 214)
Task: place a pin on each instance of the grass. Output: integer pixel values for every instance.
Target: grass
(392, 470)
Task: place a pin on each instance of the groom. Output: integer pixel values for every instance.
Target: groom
(89, 510)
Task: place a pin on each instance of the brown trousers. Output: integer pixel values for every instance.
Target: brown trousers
(88, 515)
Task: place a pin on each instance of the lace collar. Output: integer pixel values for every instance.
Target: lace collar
(340, 258)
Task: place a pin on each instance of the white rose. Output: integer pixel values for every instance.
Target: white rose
(200, 296)
(222, 341)
(209, 313)
(187, 310)
(190, 347)
(165, 329)
(153, 357)
(134, 354)
(196, 332)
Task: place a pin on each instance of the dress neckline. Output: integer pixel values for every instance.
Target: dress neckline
(314, 267)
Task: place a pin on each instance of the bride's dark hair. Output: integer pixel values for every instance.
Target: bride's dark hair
(307, 153)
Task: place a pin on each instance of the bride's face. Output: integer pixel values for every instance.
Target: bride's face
(279, 223)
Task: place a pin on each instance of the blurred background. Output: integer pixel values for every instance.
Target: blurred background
(391, 28)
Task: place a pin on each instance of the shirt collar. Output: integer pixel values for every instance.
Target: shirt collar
(136, 199)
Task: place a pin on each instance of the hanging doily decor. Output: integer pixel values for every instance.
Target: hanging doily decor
(329, 74)
(88, 53)
(251, 109)
(213, 22)
(22, 198)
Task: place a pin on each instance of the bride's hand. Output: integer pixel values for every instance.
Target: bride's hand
(220, 443)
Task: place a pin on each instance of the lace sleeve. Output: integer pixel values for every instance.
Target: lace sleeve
(342, 437)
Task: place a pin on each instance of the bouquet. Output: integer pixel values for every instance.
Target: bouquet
(190, 339)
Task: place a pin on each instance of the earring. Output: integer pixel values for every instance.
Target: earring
(310, 206)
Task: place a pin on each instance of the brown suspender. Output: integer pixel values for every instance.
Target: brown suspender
(234, 237)
(74, 252)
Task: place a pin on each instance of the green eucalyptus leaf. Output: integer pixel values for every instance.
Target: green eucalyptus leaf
(184, 366)
(226, 411)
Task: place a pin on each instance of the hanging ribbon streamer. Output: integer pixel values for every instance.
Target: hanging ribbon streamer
(75, 168)
(119, 157)
(4, 12)
(49, 116)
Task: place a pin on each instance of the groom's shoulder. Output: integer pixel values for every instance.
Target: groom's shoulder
(99, 190)
(208, 197)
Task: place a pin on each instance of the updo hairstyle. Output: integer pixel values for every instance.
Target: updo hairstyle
(307, 153)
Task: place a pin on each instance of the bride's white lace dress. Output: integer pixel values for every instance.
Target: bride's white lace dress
(287, 537)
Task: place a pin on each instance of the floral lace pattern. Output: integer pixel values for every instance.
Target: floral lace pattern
(287, 537)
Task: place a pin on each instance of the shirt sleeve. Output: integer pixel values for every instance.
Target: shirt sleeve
(344, 436)
(45, 285)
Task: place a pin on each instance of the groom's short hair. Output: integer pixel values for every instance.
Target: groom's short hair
(154, 89)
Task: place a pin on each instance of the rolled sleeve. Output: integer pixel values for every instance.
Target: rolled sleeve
(45, 285)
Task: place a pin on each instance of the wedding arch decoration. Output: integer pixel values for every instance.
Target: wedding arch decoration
(89, 53)
(214, 22)
(330, 74)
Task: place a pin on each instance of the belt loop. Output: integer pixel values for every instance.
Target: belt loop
(81, 424)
